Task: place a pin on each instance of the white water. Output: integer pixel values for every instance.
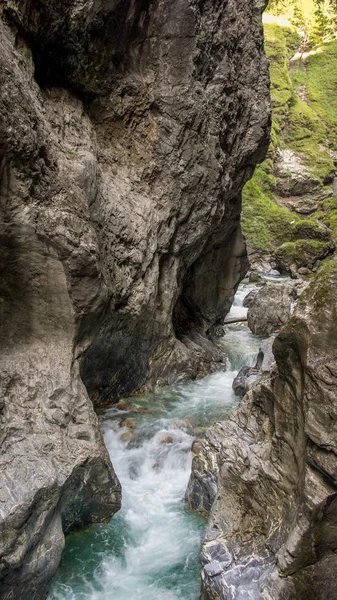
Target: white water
(150, 550)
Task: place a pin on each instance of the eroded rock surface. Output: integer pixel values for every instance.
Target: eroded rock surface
(174, 116)
(56, 475)
(268, 471)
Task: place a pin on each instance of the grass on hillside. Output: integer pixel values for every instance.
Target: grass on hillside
(305, 120)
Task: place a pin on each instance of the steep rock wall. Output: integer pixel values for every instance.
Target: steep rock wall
(268, 472)
(178, 100)
(56, 474)
(127, 132)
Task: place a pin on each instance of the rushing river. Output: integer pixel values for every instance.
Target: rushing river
(150, 549)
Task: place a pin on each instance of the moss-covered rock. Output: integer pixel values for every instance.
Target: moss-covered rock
(264, 223)
(311, 230)
(302, 253)
(327, 214)
(322, 286)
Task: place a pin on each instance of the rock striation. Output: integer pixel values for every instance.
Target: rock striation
(267, 474)
(127, 130)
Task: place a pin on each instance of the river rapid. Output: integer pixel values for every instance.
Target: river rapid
(150, 549)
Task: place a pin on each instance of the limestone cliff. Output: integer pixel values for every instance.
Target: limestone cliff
(127, 130)
(268, 472)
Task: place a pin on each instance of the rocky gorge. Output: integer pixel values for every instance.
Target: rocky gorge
(127, 132)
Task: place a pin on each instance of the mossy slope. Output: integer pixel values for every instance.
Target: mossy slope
(303, 90)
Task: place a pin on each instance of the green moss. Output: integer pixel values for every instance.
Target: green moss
(280, 43)
(304, 120)
(277, 52)
(327, 214)
(310, 230)
(264, 223)
(305, 134)
(302, 253)
(321, 285)
(322, 84)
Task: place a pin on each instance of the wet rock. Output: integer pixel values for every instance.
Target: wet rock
(273, 464)
(126, 436)
(123, 405)
(183, 424)
(254, 277)
(166, 439)
(244, 380)
(265, 358)
(270, 308)
(213, 568)
(248, 300)
(197, 447)
(200, 431)
(248, 376)
(139, 409)
(129, 423)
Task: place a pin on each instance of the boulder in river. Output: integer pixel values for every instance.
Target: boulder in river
(166, 439)
(129, 422)
(271, 308)
(248, 300)
(247, 376)
(126, 436)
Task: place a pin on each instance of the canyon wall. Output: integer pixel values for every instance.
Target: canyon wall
(128, 129)
(267, 474)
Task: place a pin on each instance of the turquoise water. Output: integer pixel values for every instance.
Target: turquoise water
(150, 549)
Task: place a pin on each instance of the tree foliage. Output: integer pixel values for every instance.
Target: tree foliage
(317, 19)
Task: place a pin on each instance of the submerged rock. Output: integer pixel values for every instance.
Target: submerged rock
(166, 439)
(126, 436)
(269, 472)
(129, 423)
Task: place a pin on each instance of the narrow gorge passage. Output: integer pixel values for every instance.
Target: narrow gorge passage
(150, 549)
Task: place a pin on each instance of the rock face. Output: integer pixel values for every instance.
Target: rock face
(178, 114)
(127, 130)
(270, 308)
(268, 471)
